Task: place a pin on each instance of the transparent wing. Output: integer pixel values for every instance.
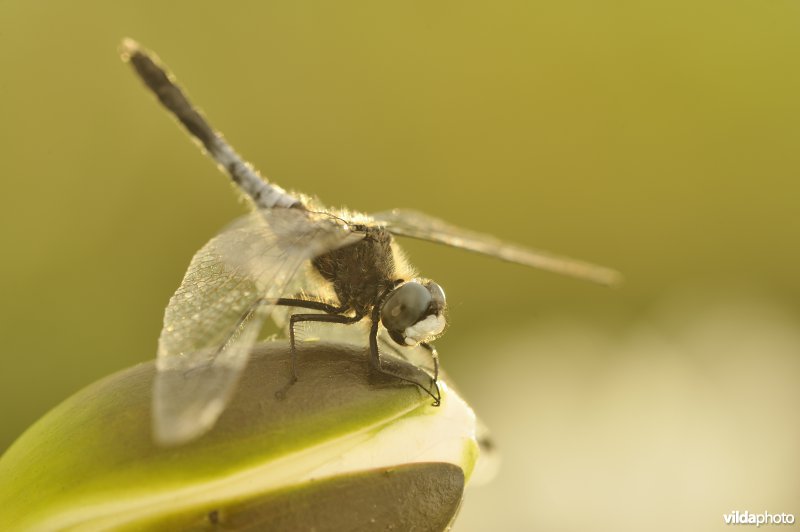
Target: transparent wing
(411, 365)
(415, 224)
(215, 316)
(357, 336)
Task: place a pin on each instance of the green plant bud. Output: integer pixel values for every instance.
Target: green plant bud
(343, 448)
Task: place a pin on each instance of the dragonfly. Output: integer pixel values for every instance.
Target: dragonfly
(327, 265)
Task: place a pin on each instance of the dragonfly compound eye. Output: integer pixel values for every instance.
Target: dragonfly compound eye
(413, 312)
(437, 297)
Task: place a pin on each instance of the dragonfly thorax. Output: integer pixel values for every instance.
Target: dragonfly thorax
(414, 312)
(360, 272)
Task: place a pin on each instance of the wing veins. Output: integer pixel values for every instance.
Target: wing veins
(421, 226)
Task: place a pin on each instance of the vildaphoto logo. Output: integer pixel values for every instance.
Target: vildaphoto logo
(765, 518)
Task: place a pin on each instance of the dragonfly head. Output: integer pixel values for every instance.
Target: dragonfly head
(414, 312)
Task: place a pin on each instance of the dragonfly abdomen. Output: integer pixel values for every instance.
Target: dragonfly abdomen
(264, 194)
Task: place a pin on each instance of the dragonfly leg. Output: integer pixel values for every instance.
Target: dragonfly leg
(288, 302)
(300, 303)
(434, 356)
(404, 370)
(327, 318)
(304, 303)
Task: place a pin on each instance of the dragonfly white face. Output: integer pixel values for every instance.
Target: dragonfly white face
(237, 280)
(414, 312)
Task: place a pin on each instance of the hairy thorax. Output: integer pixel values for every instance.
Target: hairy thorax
(360, 272)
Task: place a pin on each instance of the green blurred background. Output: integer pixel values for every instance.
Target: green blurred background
(660, 138)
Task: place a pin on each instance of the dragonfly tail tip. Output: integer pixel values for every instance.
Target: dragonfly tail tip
(128, 47)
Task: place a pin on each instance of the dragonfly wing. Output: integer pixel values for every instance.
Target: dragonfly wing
(415, 224)
(215, 316)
